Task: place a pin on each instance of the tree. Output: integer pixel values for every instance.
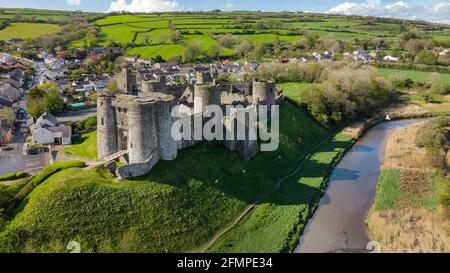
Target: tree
(8, 114)
(112, 86)
(192, 51)
(146, 39)
(426, 57)
(176, 37)
(244, 48)
(54, 101)
(44, 97)
(214, 51)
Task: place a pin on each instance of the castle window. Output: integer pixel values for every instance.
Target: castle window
(131, 145)
(103, 122)
(101, 103)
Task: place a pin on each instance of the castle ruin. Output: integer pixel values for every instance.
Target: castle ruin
(134, 124)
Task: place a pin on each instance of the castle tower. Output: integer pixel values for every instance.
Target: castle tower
(168, 149)
(263, 93)
(204, 77)
(152, 86)
(205, 94)
(106, 126)
(127, 82)
(143, 136)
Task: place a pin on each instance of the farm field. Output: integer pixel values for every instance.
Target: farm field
(56, 15)
(129, 29)
(27, 30)
(420, 76)
(155, 212)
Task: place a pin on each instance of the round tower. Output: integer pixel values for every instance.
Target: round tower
(263, 93)
(142, 135)
(106, 126)
(205, 94)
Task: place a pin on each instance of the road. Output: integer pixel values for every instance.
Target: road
(14, 160)
(74, 116)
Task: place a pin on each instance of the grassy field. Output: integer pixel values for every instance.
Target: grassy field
(176, 207)
(56, 15)
(166, 51)
(28, 30)
(122, 28)
(87, 149)
(420, 76)
(295, 90)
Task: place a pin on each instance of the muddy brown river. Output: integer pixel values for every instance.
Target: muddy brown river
(338, 224)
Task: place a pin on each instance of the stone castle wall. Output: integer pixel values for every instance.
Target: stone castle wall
(140, 121)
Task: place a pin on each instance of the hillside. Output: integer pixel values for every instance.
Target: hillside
(152, 35)
(176, 207)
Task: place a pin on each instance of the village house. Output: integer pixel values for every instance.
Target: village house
(5, 102)
(390, 58)
(10, 92)
(6, 132)
(362, 55)
(17, 75)
(46, 130)
(102, 51)
(445, 52)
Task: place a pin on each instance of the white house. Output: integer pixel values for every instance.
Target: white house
(390, 58)
(46, 131)
(444, 52)
(43, 136)
(46, 120)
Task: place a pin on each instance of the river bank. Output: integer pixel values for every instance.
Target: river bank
(407, 214)
(276, 223)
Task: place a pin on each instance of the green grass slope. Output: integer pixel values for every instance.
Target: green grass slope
(178, 206)
(87, 149)
(276, 223)
(28, 30)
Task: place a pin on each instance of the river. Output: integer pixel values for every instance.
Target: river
(338, 225)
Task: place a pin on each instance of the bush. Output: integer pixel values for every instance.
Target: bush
(426, 57)
(440, 88)
(85, 125)
(399, 82)
(434, 134)
(13, 176)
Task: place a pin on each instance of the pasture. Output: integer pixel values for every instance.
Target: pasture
(130, 29)
(417, 76)
(27, 30)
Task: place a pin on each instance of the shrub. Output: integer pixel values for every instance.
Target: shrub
(13, 176)
(440, 88)
(434, 134)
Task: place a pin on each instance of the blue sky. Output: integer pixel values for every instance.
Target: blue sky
(431, 10)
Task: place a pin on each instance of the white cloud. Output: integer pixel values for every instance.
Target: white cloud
(437, 13)
(144, 5)
(228, 6)
(73, 2)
